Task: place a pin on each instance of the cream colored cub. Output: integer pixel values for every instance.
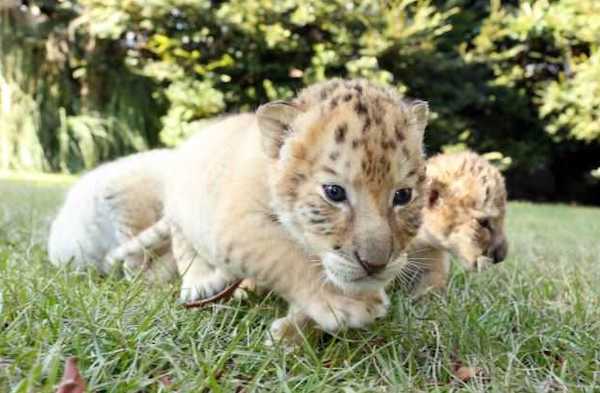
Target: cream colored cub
(316, 198)
(463, 216)
(108, 206)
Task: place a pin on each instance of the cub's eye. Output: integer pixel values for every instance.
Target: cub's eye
(485, 223)
(334, 193)
(402, 196)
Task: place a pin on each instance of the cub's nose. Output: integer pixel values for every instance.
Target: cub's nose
(498, 253)
(370, 266)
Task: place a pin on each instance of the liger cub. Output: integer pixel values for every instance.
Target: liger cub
(316, 198)
(463, 215)
(109, 206)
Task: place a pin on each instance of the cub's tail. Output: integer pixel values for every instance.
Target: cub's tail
(150, 239)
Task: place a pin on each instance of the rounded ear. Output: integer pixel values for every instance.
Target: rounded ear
(434, 192)
(274, 121)
(420, 111)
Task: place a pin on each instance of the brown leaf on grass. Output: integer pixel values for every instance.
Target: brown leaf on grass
(558, 360)
(464, 374)
(224, 294)
(165, 380)
(71, 382)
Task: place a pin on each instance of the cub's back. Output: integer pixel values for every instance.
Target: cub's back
(84, 229)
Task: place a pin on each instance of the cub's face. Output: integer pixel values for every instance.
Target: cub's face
(465, 209)
(347, 180)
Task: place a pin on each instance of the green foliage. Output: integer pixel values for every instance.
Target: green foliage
(66, 99)
(549, 49)
(103, 78)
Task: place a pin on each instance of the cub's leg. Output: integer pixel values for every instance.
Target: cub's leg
(134, 249)
(288, 330)
(274, 261)
(436, 267)
(200, 279)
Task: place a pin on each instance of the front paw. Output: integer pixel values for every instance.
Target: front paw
(284, 332)
(247, 286)
(353, 312)
(198, 288)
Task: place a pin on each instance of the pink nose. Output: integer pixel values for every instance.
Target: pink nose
(370, 268)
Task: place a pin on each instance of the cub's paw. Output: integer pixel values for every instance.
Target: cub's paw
(198, 288)
(354, 312)
(284, 332)
(247, 285)
(379, 303)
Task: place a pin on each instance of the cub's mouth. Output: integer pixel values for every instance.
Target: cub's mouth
(349, 275)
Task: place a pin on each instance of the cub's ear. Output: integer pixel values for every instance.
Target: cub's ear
(274, 121)
(435, 190)
(420, 112)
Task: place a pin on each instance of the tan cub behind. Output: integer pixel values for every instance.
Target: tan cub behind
(463, 215)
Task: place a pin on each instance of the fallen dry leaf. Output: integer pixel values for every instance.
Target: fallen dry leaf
(71, 382)
(463, 373)
(165, 380)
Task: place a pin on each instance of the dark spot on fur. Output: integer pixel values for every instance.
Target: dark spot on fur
(333, 104)
(329, 170)
(340, 133)
(382, 161)
(347, 97)
(334, 155)
(358, 89)
(318, 221)
(337, 247)
(411, 173)
(360, 108)
(398, 132)
(421, 178)
(405, 152)
(355, 143)
(273, 217)
(366, 125)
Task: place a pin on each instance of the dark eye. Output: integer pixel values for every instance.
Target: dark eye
(402, 196)
(485, 223)
(334, 192)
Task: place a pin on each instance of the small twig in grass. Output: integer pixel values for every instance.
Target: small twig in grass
(224, 294)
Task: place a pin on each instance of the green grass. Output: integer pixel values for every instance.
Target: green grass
(532, 324)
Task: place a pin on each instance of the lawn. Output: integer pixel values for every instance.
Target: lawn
(531, 324)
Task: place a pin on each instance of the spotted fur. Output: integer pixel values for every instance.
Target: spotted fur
(464, 192)
(246, 194)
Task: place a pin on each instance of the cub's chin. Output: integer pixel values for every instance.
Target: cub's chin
(350, 277)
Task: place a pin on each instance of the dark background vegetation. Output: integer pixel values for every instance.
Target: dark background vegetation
(83, 81)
